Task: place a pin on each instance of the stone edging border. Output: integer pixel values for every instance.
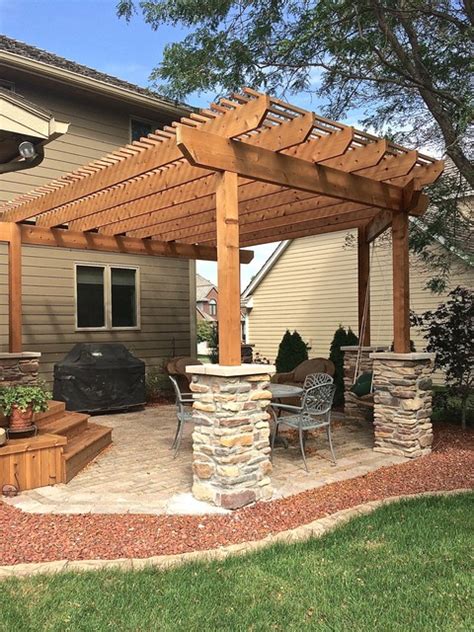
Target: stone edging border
(317, 528)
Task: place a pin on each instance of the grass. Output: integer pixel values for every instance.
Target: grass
(404, 567)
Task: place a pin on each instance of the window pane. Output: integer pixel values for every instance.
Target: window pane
(124, 298)
(140, 128)
(90, 296)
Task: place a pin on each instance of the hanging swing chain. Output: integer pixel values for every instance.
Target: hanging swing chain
(363, 323)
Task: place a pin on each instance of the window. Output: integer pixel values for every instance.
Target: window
(107, 297)
(140, 128)
(90, 297)
(213, 307)
(124, 300)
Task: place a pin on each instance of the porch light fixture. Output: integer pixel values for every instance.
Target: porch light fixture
(27, 150)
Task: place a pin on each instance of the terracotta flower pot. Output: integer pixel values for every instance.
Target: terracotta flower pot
(20, 420)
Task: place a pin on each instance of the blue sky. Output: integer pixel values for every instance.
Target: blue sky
(89, 32)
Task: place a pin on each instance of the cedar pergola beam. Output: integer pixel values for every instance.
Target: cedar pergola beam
(213, 152)
(159, 154)
(288, 203)
(39, 236)
(168, 195)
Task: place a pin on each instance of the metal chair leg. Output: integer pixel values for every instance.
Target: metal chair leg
(302, 448)
(274, 433)
(173, 445)
(328, 430)
(179, 437)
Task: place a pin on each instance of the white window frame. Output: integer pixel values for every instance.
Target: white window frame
(107, 268)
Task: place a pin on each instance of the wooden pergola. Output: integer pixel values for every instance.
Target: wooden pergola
(249, 170)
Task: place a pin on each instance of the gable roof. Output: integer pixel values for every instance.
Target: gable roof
(18, 52)
(203, 287)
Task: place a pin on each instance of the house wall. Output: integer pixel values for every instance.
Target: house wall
(49, 305)
(97, 126)
(313, 288)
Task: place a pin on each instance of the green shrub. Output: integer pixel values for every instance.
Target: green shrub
(342, 338)
(204, 331)
(23, 397)
(157, 385)
(213, 344)
(291, 352)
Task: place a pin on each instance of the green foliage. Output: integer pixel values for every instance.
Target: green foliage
(447, 406)
(204, 331)
(342, 338)
(213, 344)
(157, 385)
(24, 397)
(291, 352)
(449, 332)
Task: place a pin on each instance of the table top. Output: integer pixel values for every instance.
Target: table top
(280, 391)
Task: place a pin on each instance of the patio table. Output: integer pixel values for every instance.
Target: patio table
(279, 392)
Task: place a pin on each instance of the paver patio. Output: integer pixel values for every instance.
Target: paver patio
(137, 473)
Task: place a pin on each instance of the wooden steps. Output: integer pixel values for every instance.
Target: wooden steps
(84, 447)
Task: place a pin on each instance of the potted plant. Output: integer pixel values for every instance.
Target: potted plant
(20, 403)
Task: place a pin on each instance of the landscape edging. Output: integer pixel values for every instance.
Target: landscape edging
(316, 528)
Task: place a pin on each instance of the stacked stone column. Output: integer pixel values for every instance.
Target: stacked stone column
(231, 449)
(353, 409)
(403, 403)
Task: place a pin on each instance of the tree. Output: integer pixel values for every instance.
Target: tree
(291, 352)
(204, 331)
(405, 64)
(342, 338)
(449, 332)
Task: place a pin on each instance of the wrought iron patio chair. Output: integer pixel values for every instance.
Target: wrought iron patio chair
(182, 412)
(315, 379)
(314, 412)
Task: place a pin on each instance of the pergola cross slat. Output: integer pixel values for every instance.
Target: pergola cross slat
(249, 170)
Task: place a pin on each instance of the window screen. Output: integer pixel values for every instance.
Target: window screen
(124, 297)
(139, 129)
(90, 296)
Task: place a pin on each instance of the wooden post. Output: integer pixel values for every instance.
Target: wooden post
(363, 264)
(401, 280)
(14, 287)
(228, 267)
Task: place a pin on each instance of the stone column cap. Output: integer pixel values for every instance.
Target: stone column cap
(220, 370)
(369, 348)
(411, 356)
(23, 355)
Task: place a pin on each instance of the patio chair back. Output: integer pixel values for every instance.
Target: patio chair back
(318, 400)
(316, 379)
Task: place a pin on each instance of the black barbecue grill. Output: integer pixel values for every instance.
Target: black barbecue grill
(99, 377)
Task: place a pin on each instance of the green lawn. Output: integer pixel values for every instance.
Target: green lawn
(405, 567)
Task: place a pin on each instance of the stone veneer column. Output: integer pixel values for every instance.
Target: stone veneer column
(403, 396)
(352, 407)
(19, 368)
(231, 449)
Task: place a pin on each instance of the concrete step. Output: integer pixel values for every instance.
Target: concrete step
(68, 424)
(83, 448)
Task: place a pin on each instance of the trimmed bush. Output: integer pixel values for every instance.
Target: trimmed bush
(342, 338)
(291, 352)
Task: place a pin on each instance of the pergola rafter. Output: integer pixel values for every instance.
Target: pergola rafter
(249, 170)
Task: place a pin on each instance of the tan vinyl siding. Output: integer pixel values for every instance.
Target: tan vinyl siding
(49, 305)
(98, 125)
(96, 128)
(313, 287)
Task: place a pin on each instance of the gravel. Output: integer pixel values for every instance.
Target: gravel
(30, 537)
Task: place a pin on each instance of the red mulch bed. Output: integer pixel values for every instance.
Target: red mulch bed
(37, 537)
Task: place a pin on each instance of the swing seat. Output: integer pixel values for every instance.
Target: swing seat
(362, 390)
